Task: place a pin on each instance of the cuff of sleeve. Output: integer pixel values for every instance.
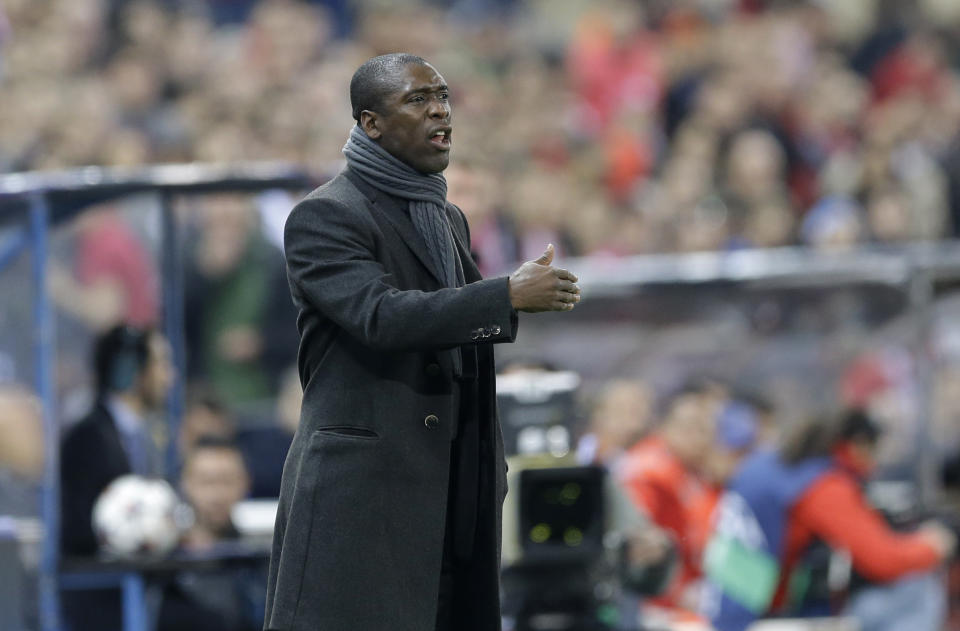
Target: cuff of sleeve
(501, 321)
(508, 331)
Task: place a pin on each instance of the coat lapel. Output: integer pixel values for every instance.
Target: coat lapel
(471, 273)
(383, 206)
(399, 220)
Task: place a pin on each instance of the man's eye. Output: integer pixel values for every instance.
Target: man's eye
(444, 96)
(417, 99)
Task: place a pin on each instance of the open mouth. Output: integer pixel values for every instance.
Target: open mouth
(441, 139)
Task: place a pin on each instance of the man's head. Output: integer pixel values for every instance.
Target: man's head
(135, 363)
(402, 103)
(214, 479)
(737, 428)
(205, 416)
(857, 441)
(853, 438)
(623, 413)
(689, 426)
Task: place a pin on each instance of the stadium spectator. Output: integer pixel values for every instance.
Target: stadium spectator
(621, 417)
(737, 433)
(612, 101)
(662, 475)
(114, 280)
(205, 416)
(230, 281)
(262, 441)
(781, 502)
(21, 468)
(133, 374)
(214, 479)
(21, 450)
(766, 424)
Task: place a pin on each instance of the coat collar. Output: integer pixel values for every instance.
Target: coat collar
(399, 219)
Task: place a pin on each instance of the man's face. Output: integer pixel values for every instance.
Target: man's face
(690, 429)
(414, 124)
(158, 373)
(864, 453)
(214, 480)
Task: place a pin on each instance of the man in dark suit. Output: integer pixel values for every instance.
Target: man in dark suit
(133, 375)
(389, 516)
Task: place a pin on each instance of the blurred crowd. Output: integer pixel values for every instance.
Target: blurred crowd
(611, 127)
(749, 504)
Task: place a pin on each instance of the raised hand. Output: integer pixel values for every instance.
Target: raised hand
(536, 286)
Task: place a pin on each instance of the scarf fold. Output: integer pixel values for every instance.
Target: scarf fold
(425, 193)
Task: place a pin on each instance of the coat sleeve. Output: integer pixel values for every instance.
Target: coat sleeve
(331, 262)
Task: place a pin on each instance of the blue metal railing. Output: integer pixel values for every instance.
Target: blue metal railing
(45, 349)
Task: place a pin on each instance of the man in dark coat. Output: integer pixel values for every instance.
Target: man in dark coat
(134, 372)
(389, 516)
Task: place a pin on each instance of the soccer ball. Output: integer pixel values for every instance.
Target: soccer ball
(137, 516)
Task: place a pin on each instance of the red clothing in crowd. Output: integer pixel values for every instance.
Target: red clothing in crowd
(835, 510)
(673, 497)
(109, 250)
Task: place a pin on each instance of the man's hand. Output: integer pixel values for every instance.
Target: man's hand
(536, 286)
(939, 537)
(647, 546)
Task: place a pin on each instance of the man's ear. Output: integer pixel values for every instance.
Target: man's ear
(369, 123)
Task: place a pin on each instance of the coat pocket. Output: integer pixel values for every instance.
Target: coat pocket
(326, 481)
(348, 546)
(348, 431)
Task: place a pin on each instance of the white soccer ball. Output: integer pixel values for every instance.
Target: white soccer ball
(137, 516)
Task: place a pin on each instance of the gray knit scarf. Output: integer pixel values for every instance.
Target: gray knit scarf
(427, 195)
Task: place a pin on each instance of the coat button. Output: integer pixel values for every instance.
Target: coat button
(495, 330)
(432, 370)
(431, 421)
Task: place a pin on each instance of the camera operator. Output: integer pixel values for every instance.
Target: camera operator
(576, 552)
(782, 502)
(637, 555)
(662, 476)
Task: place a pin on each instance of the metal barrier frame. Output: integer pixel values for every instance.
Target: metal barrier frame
(54, 197)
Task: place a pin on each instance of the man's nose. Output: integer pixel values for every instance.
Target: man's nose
(439, 108)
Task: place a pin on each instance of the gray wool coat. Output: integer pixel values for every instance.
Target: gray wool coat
(359, 533)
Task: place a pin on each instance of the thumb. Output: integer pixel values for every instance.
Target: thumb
(547, 257)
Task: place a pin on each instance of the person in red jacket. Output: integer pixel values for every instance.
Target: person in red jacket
(835, 509)
(661, 476)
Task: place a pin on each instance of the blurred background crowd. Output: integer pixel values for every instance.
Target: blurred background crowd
(621, 127)
(610, 128)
